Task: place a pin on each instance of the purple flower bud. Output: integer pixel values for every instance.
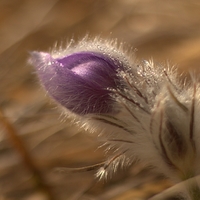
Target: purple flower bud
(81, 81)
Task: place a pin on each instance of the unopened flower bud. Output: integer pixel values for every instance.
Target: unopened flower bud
(80, 81)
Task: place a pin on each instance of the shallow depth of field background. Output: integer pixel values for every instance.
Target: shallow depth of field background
(167, 31)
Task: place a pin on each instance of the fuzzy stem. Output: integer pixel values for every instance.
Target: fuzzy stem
(194, 190)
(180, 189)
(28, 161)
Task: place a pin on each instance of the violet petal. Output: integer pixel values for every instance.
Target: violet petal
(79, 81)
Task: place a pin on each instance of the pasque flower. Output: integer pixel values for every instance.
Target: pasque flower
(80, 81)
(141, 110)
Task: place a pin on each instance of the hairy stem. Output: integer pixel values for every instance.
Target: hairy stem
(189, 186)
(194, 190)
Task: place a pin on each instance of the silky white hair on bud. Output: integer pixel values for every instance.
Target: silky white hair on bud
(155, 123)
(154, 113)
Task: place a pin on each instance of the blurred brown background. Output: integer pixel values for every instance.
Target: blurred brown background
(162, 30)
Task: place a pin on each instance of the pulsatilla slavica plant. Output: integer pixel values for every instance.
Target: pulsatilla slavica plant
(142, 111)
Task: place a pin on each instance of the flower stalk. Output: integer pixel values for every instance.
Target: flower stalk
(194, 190)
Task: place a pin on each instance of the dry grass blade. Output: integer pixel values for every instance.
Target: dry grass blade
(23, 152)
